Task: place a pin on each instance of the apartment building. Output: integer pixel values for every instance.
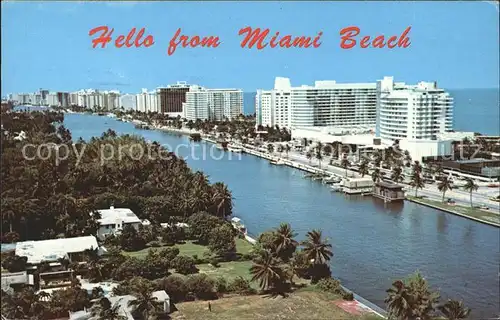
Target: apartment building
(111, 100)
(52, 99)
(147, 101)
(327, 103)
(196, 105)
(128, 102)
(225, 103)
(213, 104)
(63, 99)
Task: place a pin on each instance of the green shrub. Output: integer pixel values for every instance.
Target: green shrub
(241, 285)
(214, 262)
(184, 265)
(348, 296)
(201, 286)
(330, 285)
(169, 253)
(175, 286)
(221, 285)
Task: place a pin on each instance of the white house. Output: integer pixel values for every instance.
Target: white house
(113, 220)
(54, 249)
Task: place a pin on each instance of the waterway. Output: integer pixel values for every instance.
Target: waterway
(373, 243)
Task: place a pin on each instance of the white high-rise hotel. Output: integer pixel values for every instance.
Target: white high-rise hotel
(419, 116)
(327, 103)
(418, 112)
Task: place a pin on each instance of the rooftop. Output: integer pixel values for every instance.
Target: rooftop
(114, 215)
(389, 185)
(54, 249)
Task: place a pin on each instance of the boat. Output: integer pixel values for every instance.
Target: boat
(234, 149)
(278, 162)
(337, 187)
(238, 225)
(331, 180)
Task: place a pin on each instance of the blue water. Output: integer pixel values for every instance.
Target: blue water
(475, 110)
(373, 243)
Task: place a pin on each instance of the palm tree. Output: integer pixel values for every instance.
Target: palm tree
(398, 301)
(407, 158)
(319, 157)
(454, 310)
(396, 174)
(105, 311)
(445, 185)
(309, 156)
(223, 199)
(270, 148)
(416, 177)
(144, 303)
(363, 168)
(345, 163)
(318, 251)
(287, 149)
(285, 243)
(266, 270)
(470, 186)
(376, 175)
(377, 158)
(280, 149)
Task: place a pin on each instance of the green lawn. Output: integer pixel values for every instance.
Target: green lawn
(228, 270)
(298, 305)
(468, 211)
(190, 249)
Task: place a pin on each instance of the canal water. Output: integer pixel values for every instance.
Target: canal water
(373, 243)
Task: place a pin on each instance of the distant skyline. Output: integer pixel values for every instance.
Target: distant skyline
(46, 44)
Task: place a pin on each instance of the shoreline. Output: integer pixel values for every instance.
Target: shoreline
(491, 223)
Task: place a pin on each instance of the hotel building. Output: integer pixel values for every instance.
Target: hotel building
(415, 115)
(327, 103)
(171, 98)
(421, 111)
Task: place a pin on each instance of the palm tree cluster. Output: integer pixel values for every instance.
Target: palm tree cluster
(48, 196)
(416, 179)
(277, 260)
(412, 299)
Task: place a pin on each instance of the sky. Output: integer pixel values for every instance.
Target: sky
(47, 44)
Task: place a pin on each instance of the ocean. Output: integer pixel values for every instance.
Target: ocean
(475, 110)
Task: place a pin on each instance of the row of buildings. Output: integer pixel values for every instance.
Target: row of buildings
(181, 99)
(419, 117)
